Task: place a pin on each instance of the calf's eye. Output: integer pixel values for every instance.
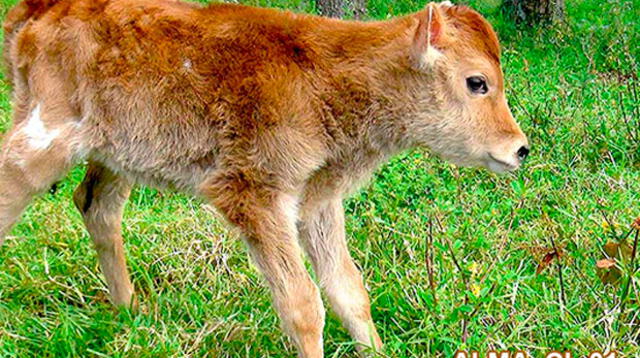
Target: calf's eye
(477, 85)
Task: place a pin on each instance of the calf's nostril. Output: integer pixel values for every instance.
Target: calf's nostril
(523, 152)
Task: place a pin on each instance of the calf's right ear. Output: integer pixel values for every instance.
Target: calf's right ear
(427, 40)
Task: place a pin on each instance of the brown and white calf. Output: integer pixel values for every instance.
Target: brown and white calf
(270, 116)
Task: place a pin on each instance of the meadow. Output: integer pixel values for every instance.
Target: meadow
(453, 258)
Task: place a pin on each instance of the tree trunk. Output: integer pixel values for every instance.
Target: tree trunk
(340, 8)
(331, 8)
(359, 8)
(534, 11)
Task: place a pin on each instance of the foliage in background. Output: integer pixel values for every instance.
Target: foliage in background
(496, 245)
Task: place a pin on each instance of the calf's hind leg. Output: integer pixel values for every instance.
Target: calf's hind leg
(34, 155)
(101, 198)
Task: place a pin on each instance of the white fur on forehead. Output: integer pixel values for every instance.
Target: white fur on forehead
(446, 4)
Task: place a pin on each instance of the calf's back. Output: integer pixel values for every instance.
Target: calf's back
(171, 93)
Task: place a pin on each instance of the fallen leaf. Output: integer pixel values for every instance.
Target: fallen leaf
(606, 268)
(546, 261)
(614, 249)
(611, 275)
(606, 263)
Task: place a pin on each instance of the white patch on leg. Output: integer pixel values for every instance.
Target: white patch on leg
(38, 137)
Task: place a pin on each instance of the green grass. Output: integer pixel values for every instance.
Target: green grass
(570, 87)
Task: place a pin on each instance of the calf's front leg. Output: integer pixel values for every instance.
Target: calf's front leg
(101, 198)
(267, 221)
(322, 234)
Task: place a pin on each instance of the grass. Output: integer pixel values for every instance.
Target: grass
(571, 86)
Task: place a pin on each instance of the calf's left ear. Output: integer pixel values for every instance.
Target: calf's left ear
(427, 40)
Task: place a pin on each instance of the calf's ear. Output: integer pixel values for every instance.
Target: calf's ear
(427, 40)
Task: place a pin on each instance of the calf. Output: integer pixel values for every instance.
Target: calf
(270, 116)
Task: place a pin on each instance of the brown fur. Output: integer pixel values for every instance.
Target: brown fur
(272, 117)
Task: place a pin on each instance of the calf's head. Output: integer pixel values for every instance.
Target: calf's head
(460, 109)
